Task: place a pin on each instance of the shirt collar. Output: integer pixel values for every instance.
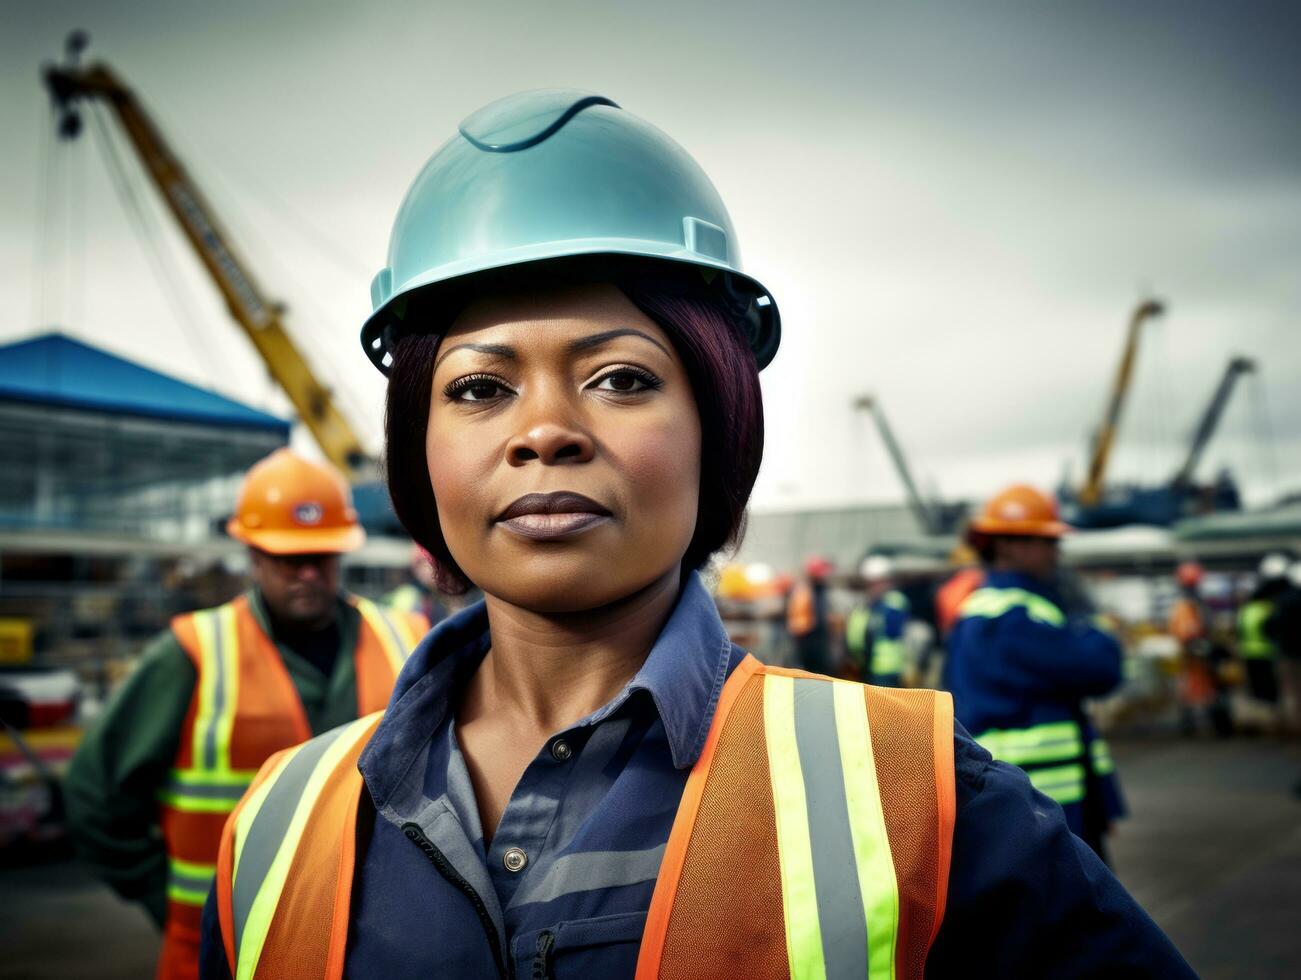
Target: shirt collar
(683, 676)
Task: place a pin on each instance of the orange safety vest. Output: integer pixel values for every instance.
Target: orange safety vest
(244, 709)
(812, 839)
(801, 616)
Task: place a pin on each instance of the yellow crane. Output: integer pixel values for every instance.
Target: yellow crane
(258, 315)
(1091, 493)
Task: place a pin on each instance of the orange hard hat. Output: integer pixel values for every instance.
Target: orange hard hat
(289, 505)
(1188, 573)
(1020, 511)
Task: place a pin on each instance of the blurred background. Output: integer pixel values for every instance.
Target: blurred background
(1012, 243)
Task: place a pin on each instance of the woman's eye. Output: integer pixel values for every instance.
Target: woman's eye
(627, 382)
(475, 390)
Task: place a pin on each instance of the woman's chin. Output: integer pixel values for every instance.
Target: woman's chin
(556, 586)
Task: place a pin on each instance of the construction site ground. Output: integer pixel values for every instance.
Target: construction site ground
(1212, 851)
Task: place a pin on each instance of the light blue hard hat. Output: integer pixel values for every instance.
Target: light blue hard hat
(550, 175)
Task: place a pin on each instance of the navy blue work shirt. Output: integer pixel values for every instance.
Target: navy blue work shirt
(564, 887)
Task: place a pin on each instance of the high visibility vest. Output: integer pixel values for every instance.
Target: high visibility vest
(244, 709)
(1052, 754)
(801, 616)
(1186, 622)
(1253, 642)
(812, 840)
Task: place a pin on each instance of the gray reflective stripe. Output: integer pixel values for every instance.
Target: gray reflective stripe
(835, 873)
(587, 871)
(268, 830)
(233, 792)
(218, 690)
(190, 882)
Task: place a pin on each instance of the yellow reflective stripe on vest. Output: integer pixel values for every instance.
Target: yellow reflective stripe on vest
(189, 882)
(1054, 742)
(1254, 643)
(799, 895)
(887, 657)
(199, 791)
(990, 603)
(218, 687)
(841, 919)
(876, 878)
(1101, 756)
(1064, 784)
(856, 627)
(392, 630)
(267, 835)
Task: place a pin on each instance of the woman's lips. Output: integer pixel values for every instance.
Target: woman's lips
(553, 516)
(553, 527)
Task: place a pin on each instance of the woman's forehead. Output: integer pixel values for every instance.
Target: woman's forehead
(564, 311)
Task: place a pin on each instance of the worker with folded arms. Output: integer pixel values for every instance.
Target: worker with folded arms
(1020, 665)
(581, 776)
(222, 690)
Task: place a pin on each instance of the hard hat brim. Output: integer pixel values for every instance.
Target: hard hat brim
(1018, 529)
(305, 541)
(454, 285)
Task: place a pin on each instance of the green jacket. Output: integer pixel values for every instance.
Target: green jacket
(113, 780)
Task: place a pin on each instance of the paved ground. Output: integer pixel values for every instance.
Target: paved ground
(1213, 851)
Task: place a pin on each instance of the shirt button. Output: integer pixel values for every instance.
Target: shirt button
(514, 859)
(560, 750)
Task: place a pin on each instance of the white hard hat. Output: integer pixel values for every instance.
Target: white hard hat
(1274, 566)
(876, 567)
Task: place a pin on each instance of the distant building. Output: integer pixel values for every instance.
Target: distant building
(96, 445)
(114, 482)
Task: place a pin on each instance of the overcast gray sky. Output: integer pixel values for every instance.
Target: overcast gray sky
(955, 204)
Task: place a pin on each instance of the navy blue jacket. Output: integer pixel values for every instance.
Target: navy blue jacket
(1019, 669)
(593, 811)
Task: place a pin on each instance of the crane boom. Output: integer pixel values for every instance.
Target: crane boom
(926, 517)
(259, 316)
(1210, 419)
(1091, 492)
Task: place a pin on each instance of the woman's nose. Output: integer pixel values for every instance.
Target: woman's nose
(551, 443)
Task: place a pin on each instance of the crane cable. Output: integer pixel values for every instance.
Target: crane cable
(216, 180)
(145, 226)
(47, 227)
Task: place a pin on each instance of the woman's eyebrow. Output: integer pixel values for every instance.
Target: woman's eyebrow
(597, 339)
(497, 350)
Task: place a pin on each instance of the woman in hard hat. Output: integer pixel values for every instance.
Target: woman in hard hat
(582, 776)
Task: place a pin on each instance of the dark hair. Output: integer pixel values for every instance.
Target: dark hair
(724, 379)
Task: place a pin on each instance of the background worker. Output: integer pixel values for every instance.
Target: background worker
(1284, 627)
(1256, 647)
(874, 631)
(806, 617)
(1201, 688)
(1019, 667)
(419, 594)
(223, 689)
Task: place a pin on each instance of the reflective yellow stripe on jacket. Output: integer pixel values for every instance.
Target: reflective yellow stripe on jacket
(1052, 755)
(210, 785)
(1253, 642)
(990, 603)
